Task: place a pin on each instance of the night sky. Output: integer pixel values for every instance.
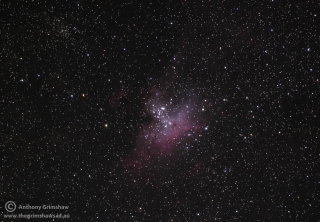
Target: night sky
(175, 111)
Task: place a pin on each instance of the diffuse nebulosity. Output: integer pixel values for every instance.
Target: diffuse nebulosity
(176, 117)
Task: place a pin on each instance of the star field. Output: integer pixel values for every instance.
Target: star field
(178, 111)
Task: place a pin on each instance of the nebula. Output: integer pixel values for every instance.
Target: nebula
(175, 120)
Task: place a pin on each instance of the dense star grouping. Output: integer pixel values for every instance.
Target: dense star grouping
(171, 120)
(174, 125)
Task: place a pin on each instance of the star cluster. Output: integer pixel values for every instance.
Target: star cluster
(176, 120)
(171, 121)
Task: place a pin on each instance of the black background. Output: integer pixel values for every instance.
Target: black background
(69, 68)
